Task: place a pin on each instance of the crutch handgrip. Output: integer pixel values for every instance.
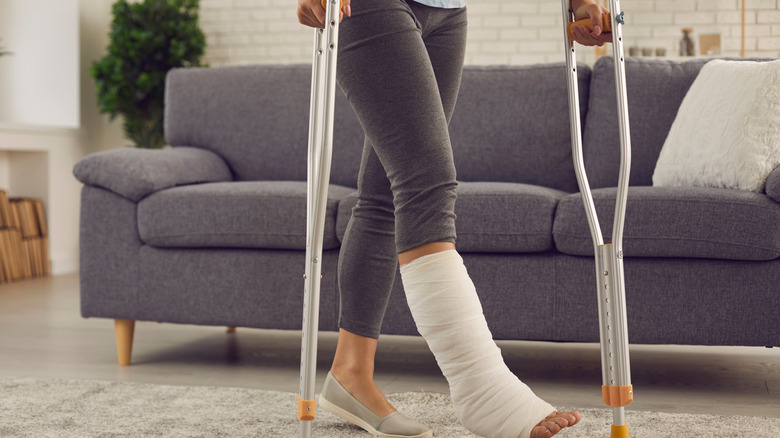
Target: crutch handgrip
(607, 25)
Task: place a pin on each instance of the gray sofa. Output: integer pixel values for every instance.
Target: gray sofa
(212, 230)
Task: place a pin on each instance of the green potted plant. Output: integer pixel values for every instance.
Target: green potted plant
(147, 39)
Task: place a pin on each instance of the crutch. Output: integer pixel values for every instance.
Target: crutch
(323, 93)
(617, 391)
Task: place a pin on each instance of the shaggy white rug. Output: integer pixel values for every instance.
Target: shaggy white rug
(85, 409)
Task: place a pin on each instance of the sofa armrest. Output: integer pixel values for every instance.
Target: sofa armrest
(773, 184)
(135, 173)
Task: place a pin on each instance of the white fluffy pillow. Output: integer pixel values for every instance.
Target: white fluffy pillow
(727, 130)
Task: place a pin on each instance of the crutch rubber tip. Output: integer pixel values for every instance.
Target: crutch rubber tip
(619, 431)
(306, 409)
(617, 396)
(606, 25)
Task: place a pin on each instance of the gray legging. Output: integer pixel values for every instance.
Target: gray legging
(400, 66)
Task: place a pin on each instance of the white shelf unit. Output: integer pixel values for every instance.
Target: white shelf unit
(40, 134)
(37, 162)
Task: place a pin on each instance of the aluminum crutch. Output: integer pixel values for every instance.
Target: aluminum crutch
(323, 94)
(617, 391)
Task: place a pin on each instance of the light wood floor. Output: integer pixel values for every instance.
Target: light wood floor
(43, 335)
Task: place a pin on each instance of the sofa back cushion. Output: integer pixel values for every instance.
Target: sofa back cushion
(511, 124)
(257, 118)
(655, 89)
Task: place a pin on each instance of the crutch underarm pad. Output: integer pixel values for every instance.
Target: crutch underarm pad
(607, 25)
(617, 396)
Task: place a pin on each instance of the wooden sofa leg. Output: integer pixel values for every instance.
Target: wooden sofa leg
(231, 329)
(124, 329)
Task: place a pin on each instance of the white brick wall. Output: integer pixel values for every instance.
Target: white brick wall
(500, 31)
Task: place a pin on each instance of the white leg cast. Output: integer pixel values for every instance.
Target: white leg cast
(616, 372)
(319, 159)
(488, 399)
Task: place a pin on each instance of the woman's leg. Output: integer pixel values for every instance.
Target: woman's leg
(489, 399)
(367, 268)
(388, 75)
(368, 260)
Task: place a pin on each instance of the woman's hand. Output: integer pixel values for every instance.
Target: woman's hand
(583, 35)
(312, 13)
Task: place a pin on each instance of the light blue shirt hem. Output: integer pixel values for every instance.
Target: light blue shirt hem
(446, 4)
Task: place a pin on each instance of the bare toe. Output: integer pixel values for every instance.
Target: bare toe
(574, 417)
(554, 423)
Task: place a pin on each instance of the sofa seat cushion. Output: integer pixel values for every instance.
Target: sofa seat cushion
(248, 214)
(493, 217)
(677, 222)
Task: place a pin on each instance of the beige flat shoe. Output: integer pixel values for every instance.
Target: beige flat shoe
(336, 400)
